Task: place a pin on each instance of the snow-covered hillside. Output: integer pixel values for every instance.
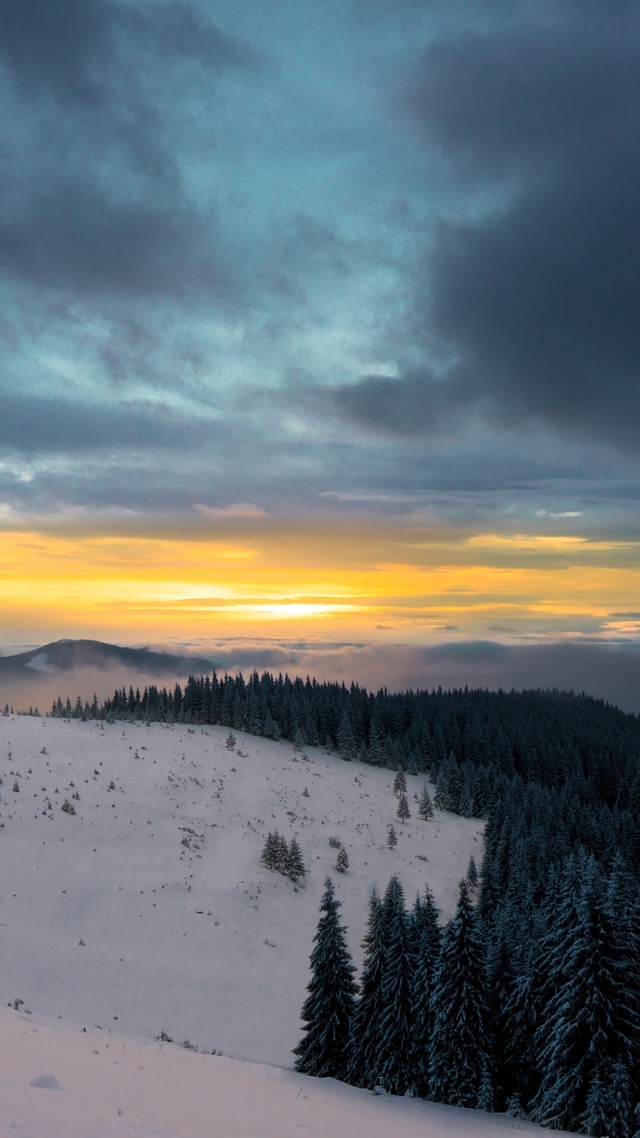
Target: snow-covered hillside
(148, 912)
(60, 1082)
(149, 909)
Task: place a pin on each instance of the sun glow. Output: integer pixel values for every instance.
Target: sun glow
(382, 582)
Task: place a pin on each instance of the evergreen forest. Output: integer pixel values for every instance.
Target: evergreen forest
(528, 1000)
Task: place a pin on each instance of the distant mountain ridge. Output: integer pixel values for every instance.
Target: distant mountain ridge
(76, 655)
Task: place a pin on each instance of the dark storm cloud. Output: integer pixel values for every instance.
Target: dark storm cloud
(93, 196)
(528, 305)
(59, 46)
(70, 48)
(75, 234)
(34, 425)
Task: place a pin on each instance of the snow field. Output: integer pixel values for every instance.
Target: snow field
(59, 1082)
(158, 874)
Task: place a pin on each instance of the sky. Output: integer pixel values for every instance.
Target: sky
(319, 332)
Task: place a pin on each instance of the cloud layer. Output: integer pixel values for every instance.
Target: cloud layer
(342, 265)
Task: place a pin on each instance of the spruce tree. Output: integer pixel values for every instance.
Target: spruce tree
(403, 811)
(294, 865)
(374, 750)
(585, 1024)
(346, 740)
(270, 850)
(459, 1055)
(400, 782)
(329, 1008)
(426, 941)
(425, 805)
(396, 1020)
(365, 1036)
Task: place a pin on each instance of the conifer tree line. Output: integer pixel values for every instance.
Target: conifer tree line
(450, 1015)
(472, 742)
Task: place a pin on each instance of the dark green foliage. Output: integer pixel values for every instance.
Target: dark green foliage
(471, 876)
(459, 1056)
(426, 946)
(283, 858)
(589, 1026)
(346, 740)
(294, 865)
(329, 1008)
(403, 811)
(342, 861)
(392, 837)
(396, 1019)
(365, 1041)
(400, 782)
(425, 805)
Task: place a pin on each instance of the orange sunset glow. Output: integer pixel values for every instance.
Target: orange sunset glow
(335, 582)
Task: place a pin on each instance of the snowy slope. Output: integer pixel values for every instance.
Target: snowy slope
(149, 911)
(60, 1082)
(182, 929)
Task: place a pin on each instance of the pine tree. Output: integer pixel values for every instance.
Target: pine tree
(400, 782)
(281, 859)
(619, 1117)
(426, 939)
(425, 805)
(374, 750)
(459, 1056)
(403, 811)
(583, 1032)
(342, 860)
(392, 837)
(269, 852)
(471, 877)
(346, 740)
(396, 1020)
(329, 1008)
(294, 864)
(365, 1036)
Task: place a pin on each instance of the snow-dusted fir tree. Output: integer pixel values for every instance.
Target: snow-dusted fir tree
(400, 782)
(425, 805)
(403, 811)
(365, 1033)
(295, 867)
(459, 1054)
(374, 750)
(396, 1020)
(277, 855)
(426, 941)
(329, 1008)
(346, 741)
(588, 1027)
(270, 849)
(471, 876)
